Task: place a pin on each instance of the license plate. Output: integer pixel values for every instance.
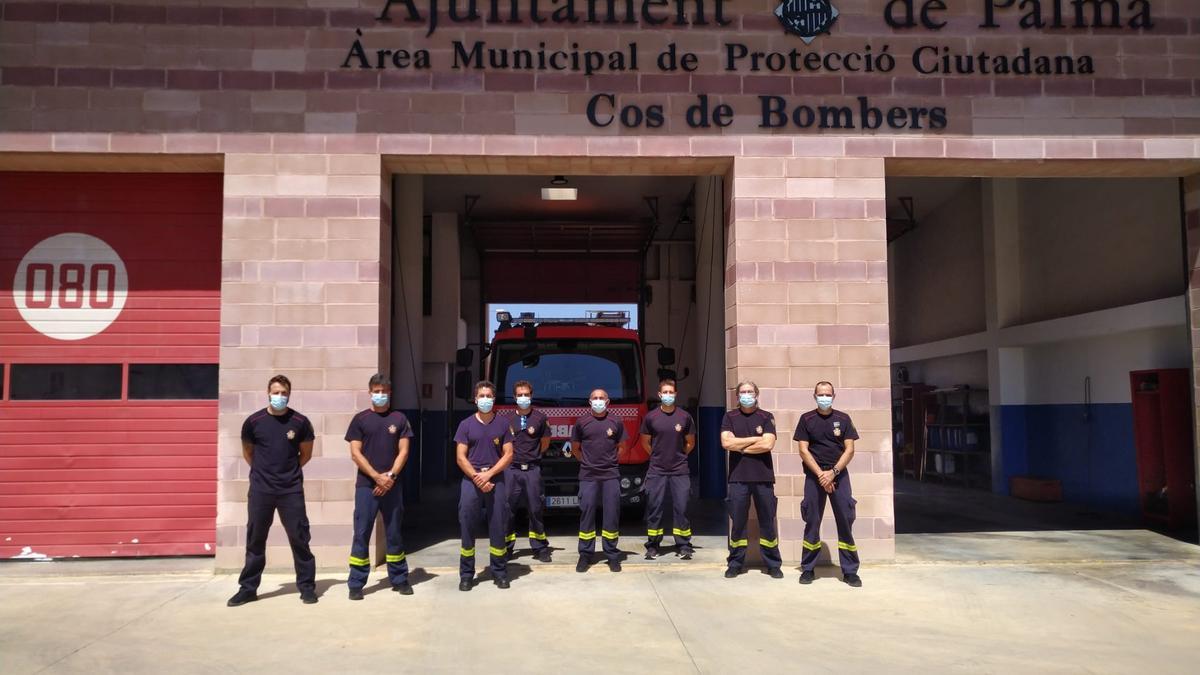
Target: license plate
(564, 501)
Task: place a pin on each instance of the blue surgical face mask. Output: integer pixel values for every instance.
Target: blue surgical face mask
(824, 402)
(379, 400)
(747, 400)
(667, 399)
(485, 403)
(279, 402)
(599, 405)
(524, 401)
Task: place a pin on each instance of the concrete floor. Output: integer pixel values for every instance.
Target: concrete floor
(1133, 607)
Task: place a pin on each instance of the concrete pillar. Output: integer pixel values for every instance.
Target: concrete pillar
(408, 335)
(807, 301)
(300, 295)
(441, 339)
(709, 346)
(1002, 297)
(1191, 200)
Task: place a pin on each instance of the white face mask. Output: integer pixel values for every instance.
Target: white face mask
(824, 401)
(599, 405)
(524, 401)
(485, 404)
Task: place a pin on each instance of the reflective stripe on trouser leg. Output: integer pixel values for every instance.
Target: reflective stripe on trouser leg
(765, 506)
(737, 505)
(496, 503)
(681, 492)
(391, 505)
(844, 512)
(812, 509)
(366, 507)
(589, 501)
(655, 489)
(470, 507)
(610, 492)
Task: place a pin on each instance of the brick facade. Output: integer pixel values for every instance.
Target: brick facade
(302, 143)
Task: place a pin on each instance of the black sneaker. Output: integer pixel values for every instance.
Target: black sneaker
(242, 597)
(464, 585)
(807, 577)
(543, 555)
(502, 583)
(308, 597)
(686, 554)
(403, 588)
(614, 565)
(651, 553)
(356, 594)
(731, 572)
(775, 573)
(852, 580)
(582, 565)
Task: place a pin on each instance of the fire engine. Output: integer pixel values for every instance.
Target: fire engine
(565, 359)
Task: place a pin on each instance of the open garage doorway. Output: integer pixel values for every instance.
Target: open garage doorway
(1041, 362)
(633, 262)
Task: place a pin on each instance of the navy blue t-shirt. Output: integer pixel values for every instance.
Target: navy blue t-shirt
(598, 439)
(275, 465)
(743, 468)
(528, 432)
(826, 435)
(380, 434)
(668, 439)
(485, 442)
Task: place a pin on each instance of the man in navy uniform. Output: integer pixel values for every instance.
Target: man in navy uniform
(484, 449)
(379, 438)
(596, 442)
(826, 438)
(531, 438)
(668, 437)
(276, 443)
(748, 434)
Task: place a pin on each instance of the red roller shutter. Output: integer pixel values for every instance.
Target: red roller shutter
(108, 413)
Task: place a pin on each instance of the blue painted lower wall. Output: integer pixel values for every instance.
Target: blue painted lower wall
(1087, 447)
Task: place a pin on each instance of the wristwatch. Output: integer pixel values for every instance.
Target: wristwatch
(836, 471)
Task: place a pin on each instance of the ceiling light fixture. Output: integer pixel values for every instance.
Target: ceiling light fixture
(559, 193)
(558, 180)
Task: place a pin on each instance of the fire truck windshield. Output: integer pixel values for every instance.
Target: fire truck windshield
(564, 372)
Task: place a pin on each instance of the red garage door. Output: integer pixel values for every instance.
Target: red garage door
(109, 332)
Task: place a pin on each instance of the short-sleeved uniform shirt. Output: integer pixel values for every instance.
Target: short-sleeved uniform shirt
(527, 432)
(380, 434)
(275, 466)
(598, 438)
(485, 442)
(757, 468)
(668, 439)
(826, 435)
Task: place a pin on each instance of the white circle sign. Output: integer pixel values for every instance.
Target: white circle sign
(70, 286)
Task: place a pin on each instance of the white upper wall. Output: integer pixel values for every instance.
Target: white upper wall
(1090, 244)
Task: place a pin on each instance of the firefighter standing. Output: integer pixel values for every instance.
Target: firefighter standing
(668, 437)
(484, 449)
(531, 438)
(826, 438)
(596, 442)
(748, 434)
(276, 443)
(379, 437)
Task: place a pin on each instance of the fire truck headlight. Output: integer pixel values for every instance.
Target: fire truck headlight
(637, 480)
(625, 483)
(503, 317)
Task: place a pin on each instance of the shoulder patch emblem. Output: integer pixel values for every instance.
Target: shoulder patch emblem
(496, 441)
(610, 432)
(678, 427)
(532, 430)
(391, 428)
(758, 429)
(291, 434)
